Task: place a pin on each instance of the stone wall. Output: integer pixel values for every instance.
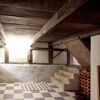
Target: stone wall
(26, 72)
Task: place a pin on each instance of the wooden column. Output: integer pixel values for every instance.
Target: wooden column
(50, 54)
(30, 57)
(68, 57)
(6, 55)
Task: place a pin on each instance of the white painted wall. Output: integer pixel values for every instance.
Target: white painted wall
(95, 61)
(40, 56)
(2, 55)
(27, 73)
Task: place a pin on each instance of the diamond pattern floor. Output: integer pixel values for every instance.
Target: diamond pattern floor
(14, 91)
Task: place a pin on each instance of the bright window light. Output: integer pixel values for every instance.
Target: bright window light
(18, 48)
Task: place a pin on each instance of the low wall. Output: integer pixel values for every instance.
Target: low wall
(26, 72)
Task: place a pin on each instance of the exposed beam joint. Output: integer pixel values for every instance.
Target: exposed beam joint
(68, 8)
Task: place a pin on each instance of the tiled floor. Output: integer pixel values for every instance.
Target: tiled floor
(15, 92)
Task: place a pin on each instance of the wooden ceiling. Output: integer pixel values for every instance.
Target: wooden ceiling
(26, 17)
(49, 20)
(84, 21)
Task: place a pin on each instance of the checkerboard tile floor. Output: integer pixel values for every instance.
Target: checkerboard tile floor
(14, 91)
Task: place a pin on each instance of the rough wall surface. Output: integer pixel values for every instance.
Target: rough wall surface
(95, 61)
(26, 72)
(79, 51)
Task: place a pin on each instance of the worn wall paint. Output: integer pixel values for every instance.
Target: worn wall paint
(95, 61)
(26, 72)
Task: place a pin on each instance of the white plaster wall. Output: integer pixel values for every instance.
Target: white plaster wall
(95, 61)
(27, 72)
(40, 56)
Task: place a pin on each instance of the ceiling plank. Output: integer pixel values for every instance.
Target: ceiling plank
(44, 5)
(69, 7)
(24, 12)
(22, 21)
(9, 26)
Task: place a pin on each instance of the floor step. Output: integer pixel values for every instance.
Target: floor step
(61, 78)
(66, 73)
(72, 69)
(58, 83)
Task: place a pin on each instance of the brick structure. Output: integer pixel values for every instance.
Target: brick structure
(85, 82)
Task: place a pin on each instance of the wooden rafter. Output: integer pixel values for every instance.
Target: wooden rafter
(69, 7)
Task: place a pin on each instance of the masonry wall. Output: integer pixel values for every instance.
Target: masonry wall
(26, 72)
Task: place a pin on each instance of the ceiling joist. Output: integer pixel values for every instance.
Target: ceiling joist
(69, 7)
(85, 34)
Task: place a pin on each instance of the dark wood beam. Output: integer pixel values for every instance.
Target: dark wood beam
(30, 57)
(22, 21)
(44, 5)
(10, 26)
(48, 49)
(24, 12)
(6, 55)
(68, 57)
(68, 8)
(67, 29)
(84, 34)
(50, 53)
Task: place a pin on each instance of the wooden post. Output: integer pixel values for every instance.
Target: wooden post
(30, 57)
(6, 55)
(50, 54)
(68, 57)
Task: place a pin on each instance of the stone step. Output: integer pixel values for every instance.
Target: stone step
(61, 78)
(66, 73)
(58, 83)
(73, 86)
(72, 69)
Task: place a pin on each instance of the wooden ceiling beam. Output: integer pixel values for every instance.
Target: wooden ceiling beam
(9, 26)
(44, 5)
(88, 33)
(24, 12)
(22, 20)
(68, 8)
(27, 7)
